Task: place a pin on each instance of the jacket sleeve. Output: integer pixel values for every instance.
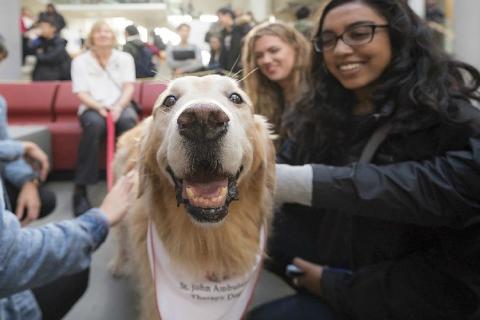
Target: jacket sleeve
(411, 288)
(10, 150)
(53, 56)
(443, 191)
(130, 49)
(16, 171)
(34, 256)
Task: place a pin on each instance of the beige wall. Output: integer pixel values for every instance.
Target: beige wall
(466, 26)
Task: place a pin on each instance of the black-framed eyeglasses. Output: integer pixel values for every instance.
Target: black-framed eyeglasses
(354, 36)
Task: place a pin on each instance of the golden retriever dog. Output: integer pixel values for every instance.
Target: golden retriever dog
(196, 226)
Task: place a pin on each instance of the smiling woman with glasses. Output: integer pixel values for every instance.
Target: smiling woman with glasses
(380, 184)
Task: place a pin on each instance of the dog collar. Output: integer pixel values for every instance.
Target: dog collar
(179, 296)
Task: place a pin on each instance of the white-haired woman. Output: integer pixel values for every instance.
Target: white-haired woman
(103, 79)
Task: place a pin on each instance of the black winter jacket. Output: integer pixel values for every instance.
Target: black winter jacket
(401, 236)
(230, 56)
(53, 61)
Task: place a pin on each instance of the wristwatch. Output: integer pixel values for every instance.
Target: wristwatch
(35, 181)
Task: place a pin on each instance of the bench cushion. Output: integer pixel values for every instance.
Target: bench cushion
(30, 102)
(150, 92)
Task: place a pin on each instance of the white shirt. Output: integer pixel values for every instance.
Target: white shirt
(179, 296)
(89, 76)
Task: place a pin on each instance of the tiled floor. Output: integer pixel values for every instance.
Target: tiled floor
(108, 298)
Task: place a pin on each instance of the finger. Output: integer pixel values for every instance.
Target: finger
(120, 180)
(131, 174)
(303, 264)
(20, 210)
(295, 282)
(32, 212)
(25, 222)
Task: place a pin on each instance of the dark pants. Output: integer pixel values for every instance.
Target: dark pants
(94, 132)
(48, 199)
(58, 297)
(299, 306)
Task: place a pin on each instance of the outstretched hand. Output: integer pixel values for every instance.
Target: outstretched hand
(116, 202)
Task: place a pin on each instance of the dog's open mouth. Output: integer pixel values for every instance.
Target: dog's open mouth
(206, 196)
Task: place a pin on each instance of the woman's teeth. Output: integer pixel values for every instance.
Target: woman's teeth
(348, 67)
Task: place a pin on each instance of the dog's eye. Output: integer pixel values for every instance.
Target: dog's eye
(169, 101)
(235, 98)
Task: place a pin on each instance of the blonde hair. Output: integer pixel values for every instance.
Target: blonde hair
(96, 26)
(266, 94)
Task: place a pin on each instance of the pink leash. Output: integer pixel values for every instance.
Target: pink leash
(110, 149)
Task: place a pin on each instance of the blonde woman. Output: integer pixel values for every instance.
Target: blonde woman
(103, 79)
(281, 56)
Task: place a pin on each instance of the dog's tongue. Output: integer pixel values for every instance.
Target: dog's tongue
(206, 194)
(207, 189)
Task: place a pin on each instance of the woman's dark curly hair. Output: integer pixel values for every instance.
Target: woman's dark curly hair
(421, 81)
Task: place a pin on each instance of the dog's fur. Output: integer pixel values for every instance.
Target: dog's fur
(222, 248)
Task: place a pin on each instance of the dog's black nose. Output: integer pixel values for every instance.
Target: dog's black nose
(203, 122)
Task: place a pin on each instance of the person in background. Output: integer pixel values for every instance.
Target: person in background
(303, 23)
(142, 55)
(26, 22)
(184, 57)
(215, 49)
(3, 49)
(158, 41)
(231, 40)
(52, 14)
(380, 181)
(103, 79)
(53, 61)
(245, 20)
(276, 60)
(158, 47)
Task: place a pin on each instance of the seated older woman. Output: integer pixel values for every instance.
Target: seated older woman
(103, 80)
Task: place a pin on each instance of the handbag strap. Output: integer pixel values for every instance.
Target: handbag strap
(374, 142)
(104, 68)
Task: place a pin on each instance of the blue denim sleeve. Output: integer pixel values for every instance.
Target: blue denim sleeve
(31, 257)
(3, 119)
(10, 150)
(17, 171)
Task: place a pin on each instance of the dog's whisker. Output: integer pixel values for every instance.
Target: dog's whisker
(233, 66)
(248, 74)
(236, 74)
